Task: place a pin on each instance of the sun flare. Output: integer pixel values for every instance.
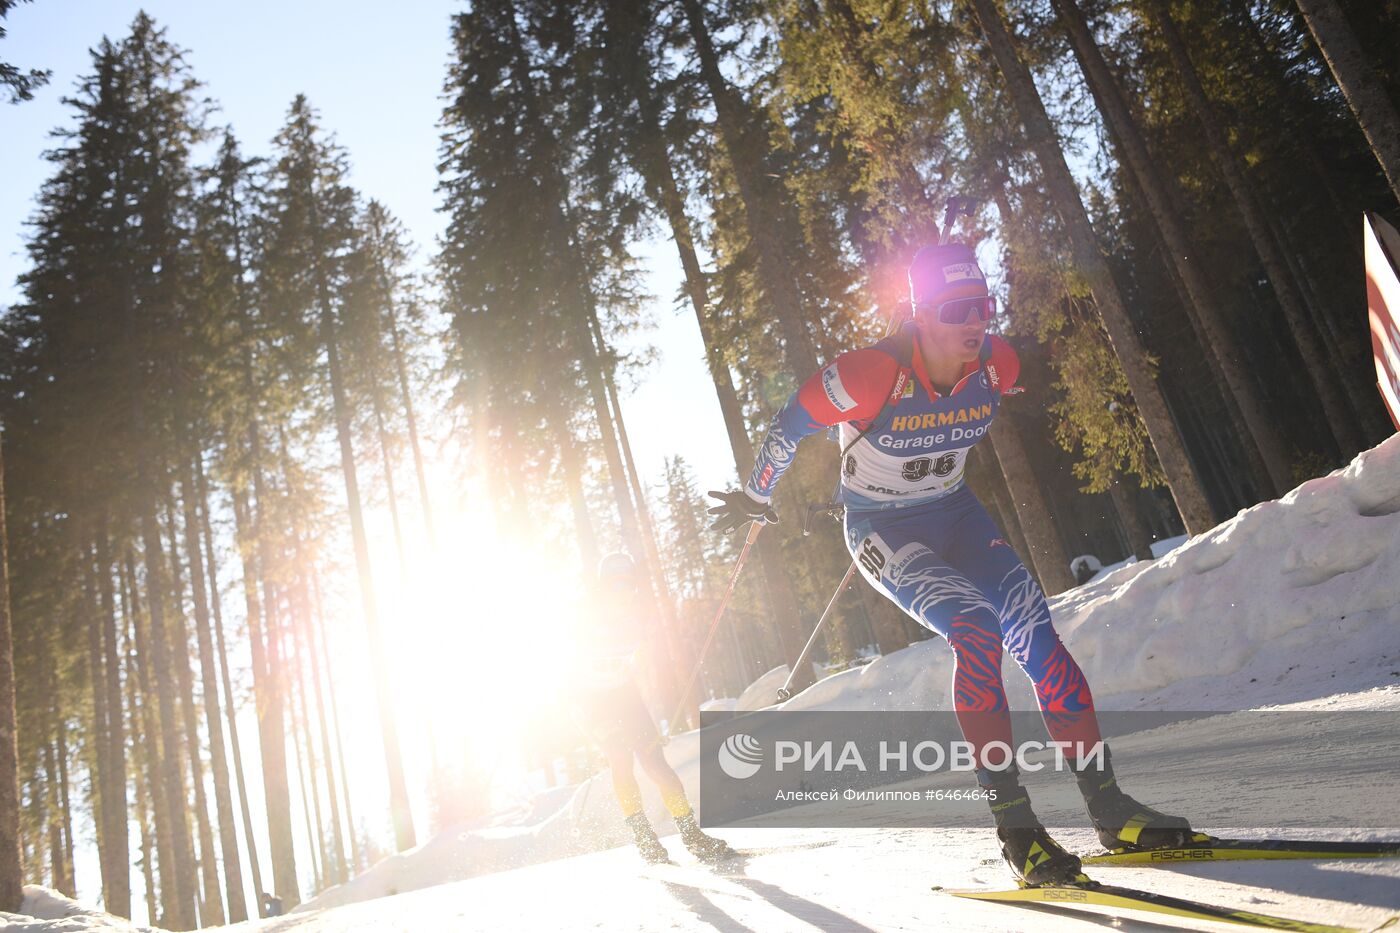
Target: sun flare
(485, 638)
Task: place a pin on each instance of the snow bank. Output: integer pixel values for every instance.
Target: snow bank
(1308, 584)
(762, 692)
(557, 823)
(590, 820)
(44, 910)
(451, 855)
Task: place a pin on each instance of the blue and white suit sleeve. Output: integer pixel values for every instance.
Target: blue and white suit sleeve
(851, 387)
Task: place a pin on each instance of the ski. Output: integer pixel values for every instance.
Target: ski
(1089, 893)
(1211, 849)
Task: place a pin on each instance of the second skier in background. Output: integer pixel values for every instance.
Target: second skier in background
(611, 711)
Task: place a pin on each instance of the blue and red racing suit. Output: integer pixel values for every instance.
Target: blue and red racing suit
(918, 533)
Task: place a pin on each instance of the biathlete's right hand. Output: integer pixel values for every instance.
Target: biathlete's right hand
(738, 509)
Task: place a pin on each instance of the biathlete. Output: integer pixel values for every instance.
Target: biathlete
(910, 407)
(611, 711)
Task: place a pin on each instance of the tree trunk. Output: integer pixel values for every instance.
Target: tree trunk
(776, 267)
(1352, 365)
(1047, 552)
(297, 637)
(1357, 77)
(98, 745)
(211, 905)
(581, 285)
(659, 592)
(141, 776)
(11, 869)
(1139, 539)
(607, 427)
(570, 464)
(166, 846)
(267, 685)
(1214, 334)
(776, 273)
(1001, 495)
(268, 699)
(238, 905)
(310, 796)
(183, 914)
(1305, 335)
(53, 813)
(1185, 485)
(401, 370)
(65, 806)
(116, 868)
(666, 192)
(296, 644)
(1255, 476)
(209, 682)
(382, 432)
(355, 862)
(148, 854)
(1291, 101)
(982, 462)
(307, 650)
(404, 836)
(267, 693)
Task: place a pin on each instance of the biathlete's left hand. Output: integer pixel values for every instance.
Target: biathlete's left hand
(738, 509)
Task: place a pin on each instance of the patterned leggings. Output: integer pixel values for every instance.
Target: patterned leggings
(947, 565)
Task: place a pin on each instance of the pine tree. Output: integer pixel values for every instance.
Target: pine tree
(1215, 337)
(122, 189)
(248, 333)
(312, 214)
(1341, 420)
(11, 866)
(21, 84)
(1374, 109)
(1181, 476)
(504, 315)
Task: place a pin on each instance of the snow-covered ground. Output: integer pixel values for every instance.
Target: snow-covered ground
(1291, 603)
(801, 880)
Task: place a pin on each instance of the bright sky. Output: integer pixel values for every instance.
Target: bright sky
(375, 74)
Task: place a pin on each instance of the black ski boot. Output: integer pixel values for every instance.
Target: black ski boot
(1028, 848)
(699, 843)
(645, 837)
(1122, 822)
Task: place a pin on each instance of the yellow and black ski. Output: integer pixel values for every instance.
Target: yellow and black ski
(1089, 893)
(1211, 849)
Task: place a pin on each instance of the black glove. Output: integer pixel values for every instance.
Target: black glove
(738, 509)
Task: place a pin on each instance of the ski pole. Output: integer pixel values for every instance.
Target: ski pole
(583, 804)
(953, 208)
(754, 528)
(785, 691)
